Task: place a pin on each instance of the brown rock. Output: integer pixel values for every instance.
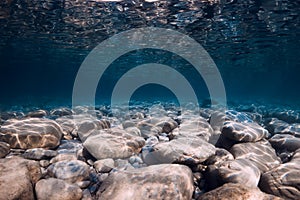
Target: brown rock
(233, 191)
(17, 178)
(31, 133)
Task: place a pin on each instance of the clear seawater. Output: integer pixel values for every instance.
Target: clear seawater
(254, 43)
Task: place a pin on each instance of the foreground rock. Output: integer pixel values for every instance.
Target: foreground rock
(168, 181)
(31, 133)
(260, 154)
(17, 177)
(113, 143)
(181, 150)
(48, 189)
(284, 180)
(237, 192)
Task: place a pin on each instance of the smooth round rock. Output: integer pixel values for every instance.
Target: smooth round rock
(70, 171)
(113, 143)
(48, 189)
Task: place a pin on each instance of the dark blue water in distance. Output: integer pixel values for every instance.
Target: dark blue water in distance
(254, 43)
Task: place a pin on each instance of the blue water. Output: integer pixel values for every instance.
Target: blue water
(255, 45)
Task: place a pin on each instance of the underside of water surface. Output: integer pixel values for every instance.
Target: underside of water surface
(254, 44)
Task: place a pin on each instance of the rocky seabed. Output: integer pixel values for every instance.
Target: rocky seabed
(154, 152)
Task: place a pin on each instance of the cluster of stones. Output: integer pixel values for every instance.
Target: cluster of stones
(148, 153)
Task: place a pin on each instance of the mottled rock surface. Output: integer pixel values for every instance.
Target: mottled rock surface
(240, 171)
(113, 143)
(167, 181)
(48, 189)
(261, 154)
(81, 125)
(31, 133)
(182, 150)
(39, 154)
(283, 180)
(244, 132)
(17, 178)
(233, 191)
(195, 127)
(70, 171)
(104, 166)
(285, 142)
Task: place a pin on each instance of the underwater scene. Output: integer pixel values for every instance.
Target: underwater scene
(149, 99)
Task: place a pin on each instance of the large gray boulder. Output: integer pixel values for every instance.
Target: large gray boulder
(167, 181)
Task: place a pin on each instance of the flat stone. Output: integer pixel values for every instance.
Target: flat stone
(70, 171)
(237, 192)
(260, 154)
(181, 150)
(113, 143)
(39, 154)
(47, 189)
(17, 177)
(167, 181)
(31, 133)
